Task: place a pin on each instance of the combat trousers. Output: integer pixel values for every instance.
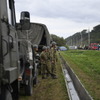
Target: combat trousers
(53, 68)
(48, 67)
(43, 69)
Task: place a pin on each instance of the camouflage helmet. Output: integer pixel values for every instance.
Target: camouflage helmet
(44, 48)
(48, 47)
(35, 46)
(53, 43)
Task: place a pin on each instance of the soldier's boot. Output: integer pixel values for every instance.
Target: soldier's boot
(47, 74)
(54, 77)
(43, 76)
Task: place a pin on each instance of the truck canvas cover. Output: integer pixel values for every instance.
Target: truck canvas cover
(37, 34)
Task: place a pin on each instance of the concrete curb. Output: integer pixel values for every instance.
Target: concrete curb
(82, 92)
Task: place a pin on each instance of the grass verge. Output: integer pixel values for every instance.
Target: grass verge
(86, 65)
(50, 89)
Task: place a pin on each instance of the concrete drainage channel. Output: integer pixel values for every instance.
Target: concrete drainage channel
(76, 90)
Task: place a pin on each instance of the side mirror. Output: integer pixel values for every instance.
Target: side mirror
(25, 20)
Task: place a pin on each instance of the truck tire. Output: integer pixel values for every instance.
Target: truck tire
(15, 93)
(6, 95)
(29, 87)
(35, 81)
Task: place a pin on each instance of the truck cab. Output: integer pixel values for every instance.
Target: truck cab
(9, 63)
(9, 50)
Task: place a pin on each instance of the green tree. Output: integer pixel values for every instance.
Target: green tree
(59, 40)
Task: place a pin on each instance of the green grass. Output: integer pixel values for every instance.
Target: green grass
(49, 89)
(86, 65)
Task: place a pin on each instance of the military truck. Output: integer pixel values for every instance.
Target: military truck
(10, 61)
(16, 51)
(38, 34)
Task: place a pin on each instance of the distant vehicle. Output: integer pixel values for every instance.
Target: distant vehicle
(99, 47)
(62, 48)
(85, 47)
(93, 46)
(72, 47)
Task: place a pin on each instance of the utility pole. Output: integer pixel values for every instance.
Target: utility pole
(81, 39)
(89, 37)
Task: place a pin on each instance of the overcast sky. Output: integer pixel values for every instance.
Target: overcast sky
(62, 17)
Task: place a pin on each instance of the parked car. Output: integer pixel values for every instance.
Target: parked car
(62, 48)
(73, 47)
(93, 46)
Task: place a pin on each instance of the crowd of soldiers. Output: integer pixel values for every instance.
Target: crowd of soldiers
(48, 58)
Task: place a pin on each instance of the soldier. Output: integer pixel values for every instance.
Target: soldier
(48, 60)
(35, 63)
(35, 47)
(53, 59)
(44, 64)
(35, 52)
(43, 59)
(37, 58)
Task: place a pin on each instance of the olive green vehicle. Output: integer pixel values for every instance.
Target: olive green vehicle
(9, 61)
(37, 34)
(17, 65)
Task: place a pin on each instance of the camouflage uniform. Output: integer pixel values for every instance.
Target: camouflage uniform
(43, 59)
(45, 62)
(48, 60)
(53, 59)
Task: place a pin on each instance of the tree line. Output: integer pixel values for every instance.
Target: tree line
(59, 40)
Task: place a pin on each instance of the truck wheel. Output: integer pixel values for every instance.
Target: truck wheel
(15, 93)
(6, 95)
(35, 81)
(29, 87)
